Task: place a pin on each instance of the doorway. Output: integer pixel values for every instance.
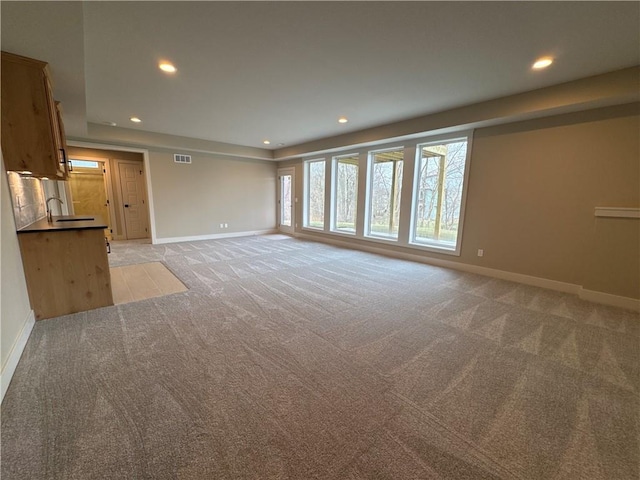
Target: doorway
(90, 190)
(286, 210)
(133, 206)
(111, 156)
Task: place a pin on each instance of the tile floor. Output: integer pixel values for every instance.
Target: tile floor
(131, 283)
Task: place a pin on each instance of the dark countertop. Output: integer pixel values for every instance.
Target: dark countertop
(43, 225)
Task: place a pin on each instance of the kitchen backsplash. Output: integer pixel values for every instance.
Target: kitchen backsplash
(27, 195)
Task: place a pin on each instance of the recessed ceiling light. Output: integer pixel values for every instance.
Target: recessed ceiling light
(167, 67)
(343, 120)
(135, 120)
(281, 144)
(541, 63)
(266, 142)
(111, 124)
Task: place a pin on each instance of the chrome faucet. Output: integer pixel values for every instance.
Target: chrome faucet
(49, 213)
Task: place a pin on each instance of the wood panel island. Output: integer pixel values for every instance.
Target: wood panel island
(65, 264)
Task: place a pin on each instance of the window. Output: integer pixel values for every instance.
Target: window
(385, 176)
(434, 196)
(345, 193)
(285, 200)
(84, 163)
(438, 192)
(314, 193)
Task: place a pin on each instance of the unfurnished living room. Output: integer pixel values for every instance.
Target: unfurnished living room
(320, 240)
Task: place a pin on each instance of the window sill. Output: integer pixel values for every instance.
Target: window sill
(387, 241)
(345, 233)
(435, 249)
(380, 238)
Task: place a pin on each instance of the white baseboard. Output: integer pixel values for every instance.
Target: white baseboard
(609, 299)
(589, 295)
(213, 236)
(16, 353)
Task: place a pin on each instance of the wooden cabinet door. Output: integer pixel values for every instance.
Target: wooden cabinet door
(64, 164)
(30, 127)
(66, 271)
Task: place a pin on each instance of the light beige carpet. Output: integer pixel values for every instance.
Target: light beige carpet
(131, 283)
(289, 359)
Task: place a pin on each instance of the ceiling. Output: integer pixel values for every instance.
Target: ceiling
(285, 71)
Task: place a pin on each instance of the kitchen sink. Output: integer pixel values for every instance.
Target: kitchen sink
(78, 219)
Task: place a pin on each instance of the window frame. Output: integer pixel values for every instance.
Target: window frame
(369, 194)
(87, 164)
(307, 194)
(335, 160)
(415, 191)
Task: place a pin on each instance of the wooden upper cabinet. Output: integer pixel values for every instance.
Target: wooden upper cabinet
(32, 130)
(62, 141)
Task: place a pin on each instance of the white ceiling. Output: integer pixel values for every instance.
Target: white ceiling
(285, 71)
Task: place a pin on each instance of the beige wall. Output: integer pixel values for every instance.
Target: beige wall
(532, 194)
(192, 200)
(533, 187)
(14, 299)
(103, 154)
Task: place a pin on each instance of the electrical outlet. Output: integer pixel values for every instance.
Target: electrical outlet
(480, 252)
(226, 225)
(222, 225)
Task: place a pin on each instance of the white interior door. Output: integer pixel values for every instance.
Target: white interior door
(286, 212)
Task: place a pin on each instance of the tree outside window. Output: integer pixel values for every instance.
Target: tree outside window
(315, 173)
(439, 182)
(345, 195)
(386, 191)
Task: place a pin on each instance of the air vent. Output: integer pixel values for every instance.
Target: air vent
(180, 158)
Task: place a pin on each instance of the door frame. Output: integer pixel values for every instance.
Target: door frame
(286, 171)
(117, 162)
(108, 188)
(147, 175)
